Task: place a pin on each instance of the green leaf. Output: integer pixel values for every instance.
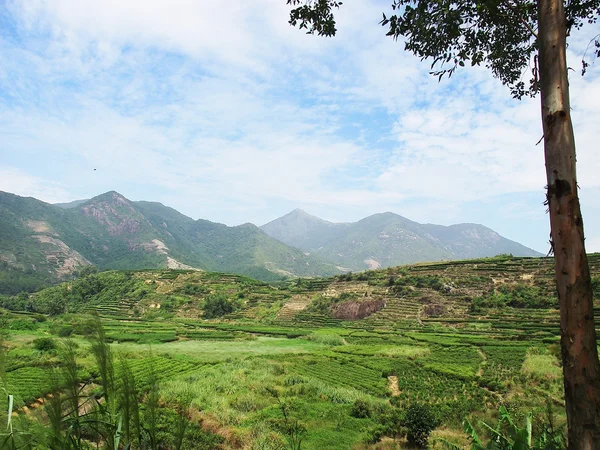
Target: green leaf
(10, 409)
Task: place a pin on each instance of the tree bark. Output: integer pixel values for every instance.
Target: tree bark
(581, 367)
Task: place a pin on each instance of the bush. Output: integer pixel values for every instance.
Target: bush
(86, 271)
(217, 305)
(22, 325)
(44, 344)
(389, 423)
(518, 296)
(65, 331)
(360, 410)
(419, 421)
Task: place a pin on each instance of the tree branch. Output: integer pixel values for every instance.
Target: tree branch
(514, 9)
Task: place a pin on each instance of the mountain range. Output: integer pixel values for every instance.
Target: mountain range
(387, 239)
(111, 232)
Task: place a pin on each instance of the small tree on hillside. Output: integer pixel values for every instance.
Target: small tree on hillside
(217, 305)
(507, 36)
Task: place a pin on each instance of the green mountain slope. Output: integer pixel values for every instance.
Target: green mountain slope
(51, 242)
(387, 239)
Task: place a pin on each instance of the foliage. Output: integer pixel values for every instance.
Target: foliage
(86, 271)
(449, 363)
(14, 281)
(125, 413)
(44, 344)
(289, 426)
(519, 296)
(327, 338)
(217, 305)
(91, 289)
(389, 423)
(502, 36)
(419, 421)
(360, 409)
(507, 435)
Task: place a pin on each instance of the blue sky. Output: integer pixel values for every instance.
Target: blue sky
(231, 115)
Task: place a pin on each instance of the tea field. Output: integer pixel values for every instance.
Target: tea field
(337, 357)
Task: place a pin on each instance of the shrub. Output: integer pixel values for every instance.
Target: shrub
(44, 344)
(419, 421)
(518, 296)
(65, 331)
(389, 423)
(360, 409)
(22, 324)
(217, 305)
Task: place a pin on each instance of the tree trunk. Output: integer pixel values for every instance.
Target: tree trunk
(581, 368)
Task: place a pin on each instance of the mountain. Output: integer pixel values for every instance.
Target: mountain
(40, 242)
(72, 204)
(387, 239)
(301, 230)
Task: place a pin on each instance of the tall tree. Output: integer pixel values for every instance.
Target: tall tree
(508, 37)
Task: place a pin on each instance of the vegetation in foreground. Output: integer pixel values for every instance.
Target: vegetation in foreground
(297, 365)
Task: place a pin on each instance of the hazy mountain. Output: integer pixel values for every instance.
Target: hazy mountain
(387, 239)
(300, 229)
(72, 204)
(43, 241)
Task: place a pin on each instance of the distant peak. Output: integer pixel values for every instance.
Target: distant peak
(110, 196)
(384, 215)
(300, 212)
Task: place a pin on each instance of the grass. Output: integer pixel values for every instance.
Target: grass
(389, 351)
(542, 367)
(215, 351)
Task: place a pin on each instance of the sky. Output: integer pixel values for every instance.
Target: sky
(225, 112)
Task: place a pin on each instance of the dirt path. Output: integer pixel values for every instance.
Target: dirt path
(393, 385)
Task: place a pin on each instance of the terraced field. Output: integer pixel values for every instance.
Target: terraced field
(462, 337)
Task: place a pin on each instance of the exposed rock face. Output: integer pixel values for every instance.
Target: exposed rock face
(61, 256)
(117, 222)
(174, 264)
(352, 310)
(39, 226)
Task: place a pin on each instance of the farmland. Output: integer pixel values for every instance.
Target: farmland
(462, 337)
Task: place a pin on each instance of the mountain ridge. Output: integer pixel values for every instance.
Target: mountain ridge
(112, 232)
(52, 242)
(387, 239)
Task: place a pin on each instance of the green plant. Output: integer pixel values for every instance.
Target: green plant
(507, 435)
(360, 409)
(44, 344)
(217, 305)
(290, 427)
(419, 421)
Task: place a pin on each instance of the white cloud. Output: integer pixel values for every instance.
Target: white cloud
(228, 113)
(18, 182)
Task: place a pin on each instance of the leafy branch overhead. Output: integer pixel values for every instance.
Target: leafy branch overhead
(499, 34)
